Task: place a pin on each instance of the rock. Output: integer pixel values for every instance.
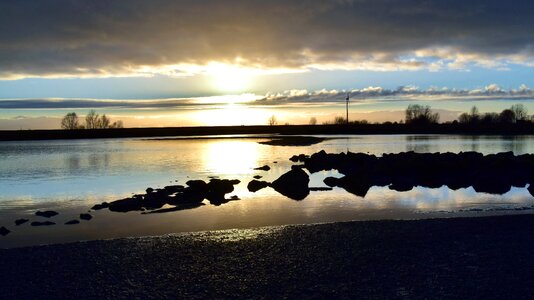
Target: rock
(46, 214)
(126, 205)
(331, 181)
(149, 190)
(46, 223)
(4, 231)
(235, 197)
(86, 217)
(293, 184)
(72, 222)
(257, 177)
(320, 189)
(264, 168)
(171, 189)
(217, 188)
(531, 189)
(256, 185)
(100, 206)
(21, 221)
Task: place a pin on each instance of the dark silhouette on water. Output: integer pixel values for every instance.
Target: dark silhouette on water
(494, 173)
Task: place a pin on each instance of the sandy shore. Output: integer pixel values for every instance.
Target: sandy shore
(442, 258)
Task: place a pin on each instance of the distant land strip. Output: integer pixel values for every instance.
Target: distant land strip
(497, 129)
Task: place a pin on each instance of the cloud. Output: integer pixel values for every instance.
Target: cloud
(289, 97)
(490, 92)
(75, 38)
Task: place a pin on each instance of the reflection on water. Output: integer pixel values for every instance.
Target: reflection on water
(230, 157)
(70, 176)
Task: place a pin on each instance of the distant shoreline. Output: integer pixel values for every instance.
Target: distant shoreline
(364, 129)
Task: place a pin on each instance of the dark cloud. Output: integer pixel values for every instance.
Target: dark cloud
(125, 37)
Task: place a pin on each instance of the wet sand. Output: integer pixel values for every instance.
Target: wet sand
(441, 258)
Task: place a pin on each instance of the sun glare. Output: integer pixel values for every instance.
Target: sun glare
(229, 78)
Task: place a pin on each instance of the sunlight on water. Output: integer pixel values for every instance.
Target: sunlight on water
(71, 176)
(230, 157)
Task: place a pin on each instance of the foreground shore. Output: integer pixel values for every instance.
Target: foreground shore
(441, 258)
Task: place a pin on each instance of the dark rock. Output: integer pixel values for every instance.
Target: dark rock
(531, 189)
(21, 221)
(331, 181)
(257, 177)
(217, 188)
(298, 158)
(46, 214)
(256, 185)
(320, 189)
(126, 205)
(355, 184)
(171, 189)
(4, 231)
(149, 190)
(293, 184)
(86, 217)
(100, 206)
(72, 222)
(235, 197)
(46, 223)
(264, 168)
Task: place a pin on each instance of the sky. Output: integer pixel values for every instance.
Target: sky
(237, 62)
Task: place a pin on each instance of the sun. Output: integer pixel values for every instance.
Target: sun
(229, 78)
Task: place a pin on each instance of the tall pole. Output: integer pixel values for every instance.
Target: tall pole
(347, 102)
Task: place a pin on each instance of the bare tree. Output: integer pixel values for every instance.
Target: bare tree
(70, 121)
(117, 124)
(420, 115)
(103, 122)
(520, 111)
(272, 121)
(91, 120)
(313, 121)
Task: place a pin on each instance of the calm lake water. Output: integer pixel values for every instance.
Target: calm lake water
(71, 176)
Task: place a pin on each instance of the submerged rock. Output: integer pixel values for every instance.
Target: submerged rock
(21, 221)
(46, 214)
(257, 177)
(72, 222)
(256, 185)
(46, 223)
(4, 231)
(264, 168)
(182, 197)
(320, 189)
(86, 217)
(293, 184)
(100, 206)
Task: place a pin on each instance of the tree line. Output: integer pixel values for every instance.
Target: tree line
(419, 115)
(71, 121)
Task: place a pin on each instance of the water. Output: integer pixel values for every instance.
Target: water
(71, 176)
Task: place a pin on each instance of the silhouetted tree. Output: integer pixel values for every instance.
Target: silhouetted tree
(313, 121)
(473, 117)
(117, 124)
(340, 121)
(272, 121)
(507, 116)
(103, 122)
(91, 120)
(420, 115)
(70, 121)
(489, 118)
(520, 111)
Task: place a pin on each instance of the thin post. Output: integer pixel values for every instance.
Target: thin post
(347, 103)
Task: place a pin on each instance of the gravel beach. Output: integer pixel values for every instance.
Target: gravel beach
(487, 257)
